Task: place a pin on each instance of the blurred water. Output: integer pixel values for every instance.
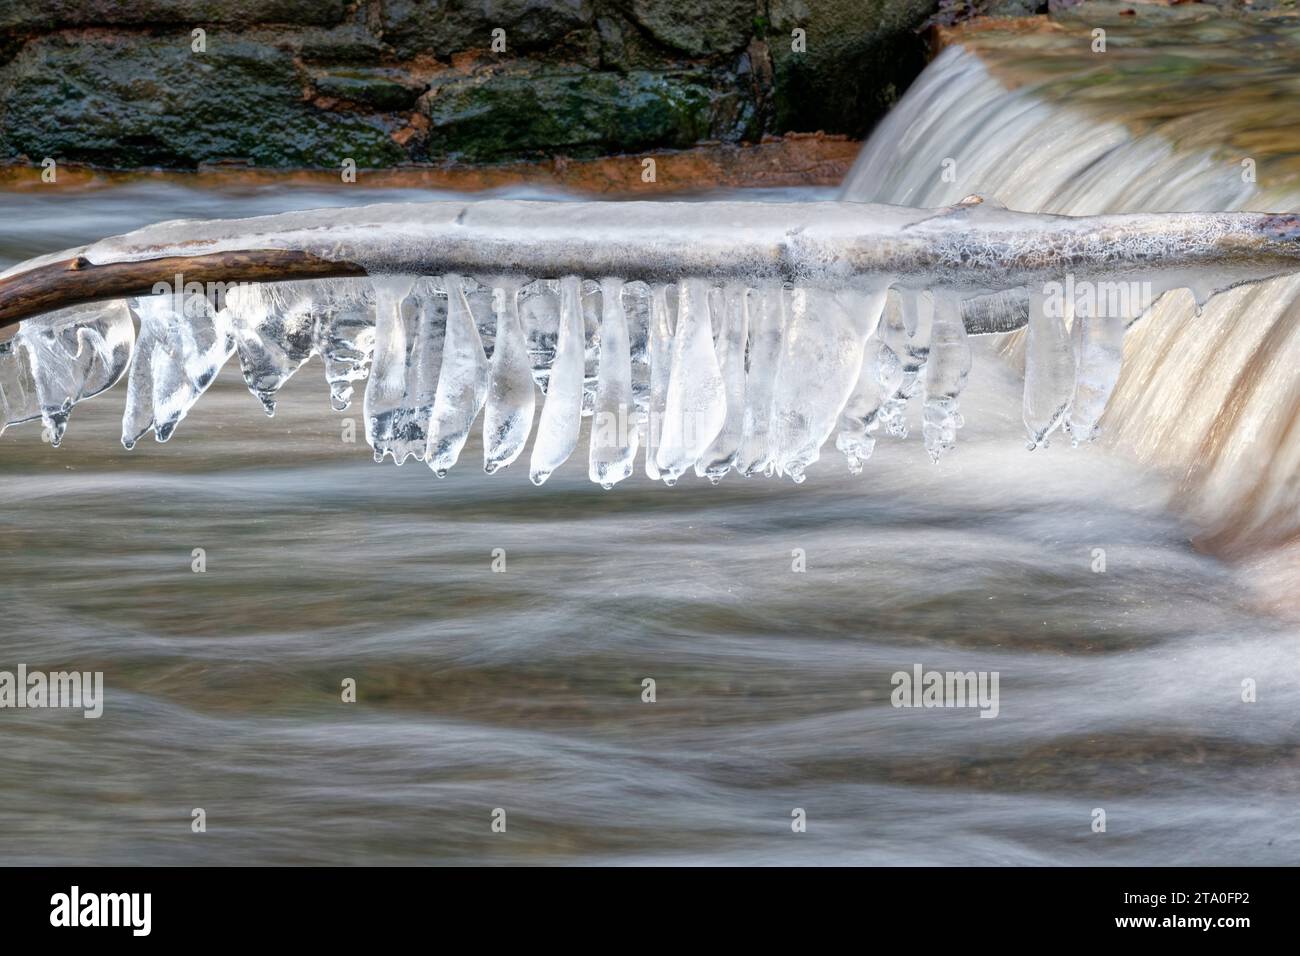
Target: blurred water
(522, 690)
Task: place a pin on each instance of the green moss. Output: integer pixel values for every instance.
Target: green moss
(514, 114)
(151, 101)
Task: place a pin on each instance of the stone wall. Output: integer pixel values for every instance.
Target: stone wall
(307, 83)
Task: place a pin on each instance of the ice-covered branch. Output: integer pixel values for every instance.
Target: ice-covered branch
(715, 336)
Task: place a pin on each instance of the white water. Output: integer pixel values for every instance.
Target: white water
(1210, 397)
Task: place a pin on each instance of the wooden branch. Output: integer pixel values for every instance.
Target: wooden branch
(77, 281)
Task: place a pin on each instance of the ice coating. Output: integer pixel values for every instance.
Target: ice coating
(732, 338)
(410, 318)
(1098, 341)
(1049, 368)
(905, 329)
(182, 344)
(696, 404)
(875, 383)
(274, 334)
(975, 245)
(767, 329)
(613, 443)
(561, 418)
(462, 381)
(810, 321)
(54, 362)
(945, 376)
(663, 317)
(511, 397)
(825, 331)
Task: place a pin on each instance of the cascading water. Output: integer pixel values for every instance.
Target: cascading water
(1208, 394)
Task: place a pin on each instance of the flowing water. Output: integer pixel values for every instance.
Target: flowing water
(1121, 649)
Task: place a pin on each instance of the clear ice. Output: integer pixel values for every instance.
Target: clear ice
(696, 403)
(714, 377)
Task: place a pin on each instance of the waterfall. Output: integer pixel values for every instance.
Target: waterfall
(1211, 398)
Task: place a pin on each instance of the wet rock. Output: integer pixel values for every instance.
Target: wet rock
(59, 14)
(858, 58)
(126, 101)
(385, 90)
(523, 109)
(442, 27)
(723, 26)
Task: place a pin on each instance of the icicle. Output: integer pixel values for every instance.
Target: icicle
(767, 324)
(820, 361)
(482, 306)
(539, 314)
(274, 332)
(1098, 340)
(592, 317)
(18, 401)
(613, 441)
(945, 376)
(180, 350)
(64, 358)
(733, 337)
(663, 315)
(344, 337)
(878, 379)
(462, 382)
(511, 398)
(906, 328)
(636, 307)
(409, 323)
(696, 404)
(1049, 367)
(561, 419)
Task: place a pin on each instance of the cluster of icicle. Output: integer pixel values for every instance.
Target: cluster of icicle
(689, 375)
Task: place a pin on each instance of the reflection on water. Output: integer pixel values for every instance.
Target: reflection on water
(523, 690)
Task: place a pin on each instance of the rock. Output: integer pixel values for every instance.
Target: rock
(524, 110)
(47, 15)
(384, 90)
(722, 26)
(130, 100)
(443, 27)
(306, 82)
(859, 57)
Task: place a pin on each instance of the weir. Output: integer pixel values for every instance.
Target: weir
(1207, 394)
